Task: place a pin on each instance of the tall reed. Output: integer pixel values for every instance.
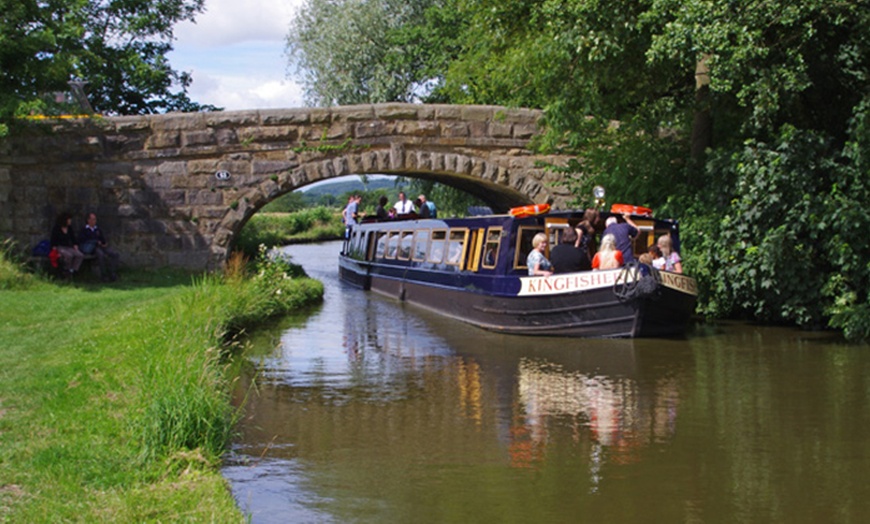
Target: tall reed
(182, 412)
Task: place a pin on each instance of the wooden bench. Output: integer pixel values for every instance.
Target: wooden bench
(42, 263)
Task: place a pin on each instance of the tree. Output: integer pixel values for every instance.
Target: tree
(118, 47)
(362, 51)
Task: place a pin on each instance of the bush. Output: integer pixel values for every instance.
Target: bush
(12, 270)
(791, 245)
(278, 229)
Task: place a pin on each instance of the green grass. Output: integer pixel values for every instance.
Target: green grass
(277, 229)
(114, 400)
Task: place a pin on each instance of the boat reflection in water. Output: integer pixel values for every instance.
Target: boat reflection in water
(375, 408)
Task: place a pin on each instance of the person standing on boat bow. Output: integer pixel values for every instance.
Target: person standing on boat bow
(537, 261)
(624, 233)
(350, 214)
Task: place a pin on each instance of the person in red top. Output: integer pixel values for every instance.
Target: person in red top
(608, 257)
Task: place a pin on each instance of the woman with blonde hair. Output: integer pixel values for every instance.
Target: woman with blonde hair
(608, 257)
(673, 262)
(537, 262)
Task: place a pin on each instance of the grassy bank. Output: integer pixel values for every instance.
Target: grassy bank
(114, 400)
(278, 229)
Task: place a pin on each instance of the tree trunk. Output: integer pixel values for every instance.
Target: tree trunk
(702, 123)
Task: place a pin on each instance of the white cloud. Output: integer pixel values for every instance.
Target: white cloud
(235, 54)
(240, 92)
(226, 22)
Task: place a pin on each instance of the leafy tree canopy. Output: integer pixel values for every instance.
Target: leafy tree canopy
(118, 47)
(366, 51)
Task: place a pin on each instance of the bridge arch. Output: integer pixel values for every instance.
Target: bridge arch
(174, 190)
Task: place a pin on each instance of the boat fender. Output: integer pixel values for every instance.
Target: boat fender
(527, 211)
(631, 210)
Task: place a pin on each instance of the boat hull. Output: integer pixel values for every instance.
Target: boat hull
(578, 304)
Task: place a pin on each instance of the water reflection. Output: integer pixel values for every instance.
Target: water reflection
(369, 402)
(371, 411)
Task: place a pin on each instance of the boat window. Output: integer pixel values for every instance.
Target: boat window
(392, 244)
(362, 245)
(456, 246)
(436, 249)
(353, 245)
(368, 245)
(475, 249)
(405, 245)
(381, 245)
(490, 250)
(421, 244)
(524, 244)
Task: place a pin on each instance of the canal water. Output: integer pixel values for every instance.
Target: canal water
(368, 410)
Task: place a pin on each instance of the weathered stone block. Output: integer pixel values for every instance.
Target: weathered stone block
(353, 113)
(500, 130)
(231, 118)
(163, 140)
(268, 167)
(396, 111)
(478, 113)
(524, 130)
(270, 117)
(197, 138)
(253, 135)
(478, 129)
(454, 129)
(417, 129)
(397, 155)
(320, 116)
(177, 121)
(371, 129)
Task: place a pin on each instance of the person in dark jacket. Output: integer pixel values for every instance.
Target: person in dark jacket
(92, 241)
(624, 233)
(64, 240)
(568, 256)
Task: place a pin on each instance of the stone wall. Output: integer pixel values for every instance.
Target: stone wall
(174, 189)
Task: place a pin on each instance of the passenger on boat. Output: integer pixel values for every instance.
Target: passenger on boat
(673, 262)
(403, 206)
(658, 261)
(608, 257)
(427, 207)
(586, 230)
(537, 262)
(646, 260)
(351, 214)
(624, 233)
(568, 256)
(381, 210)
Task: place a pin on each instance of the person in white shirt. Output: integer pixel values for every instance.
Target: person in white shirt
(403, 206)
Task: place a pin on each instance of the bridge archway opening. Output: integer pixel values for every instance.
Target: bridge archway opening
(480, 193)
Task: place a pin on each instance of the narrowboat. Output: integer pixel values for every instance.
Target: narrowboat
(473, 269)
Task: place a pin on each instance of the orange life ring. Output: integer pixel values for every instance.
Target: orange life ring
(631, 210)
(527, 211)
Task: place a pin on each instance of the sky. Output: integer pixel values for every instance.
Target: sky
(235, 54)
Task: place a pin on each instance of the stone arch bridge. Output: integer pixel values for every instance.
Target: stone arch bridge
(174, 189)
